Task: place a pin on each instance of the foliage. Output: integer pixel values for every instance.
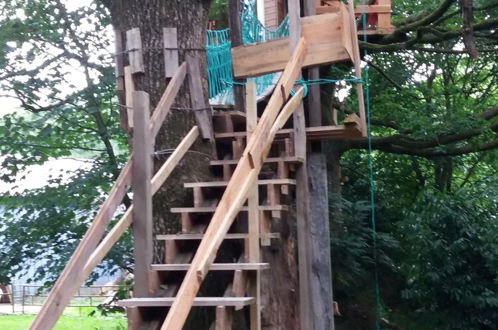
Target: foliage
(55, 62)
(451, 249)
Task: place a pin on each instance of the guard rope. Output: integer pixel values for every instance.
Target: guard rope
(371, 174)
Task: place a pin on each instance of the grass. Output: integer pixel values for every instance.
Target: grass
(66, 322)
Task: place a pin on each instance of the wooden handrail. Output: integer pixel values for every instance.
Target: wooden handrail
(64, 287)
(236, 192)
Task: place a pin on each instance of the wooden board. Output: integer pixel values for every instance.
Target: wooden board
(200, 106)
(324, 36)
(209, 184)
(211, 209)
(170, 51)
(198, 302)
(134, 48)
(224, 266)
(142, 193)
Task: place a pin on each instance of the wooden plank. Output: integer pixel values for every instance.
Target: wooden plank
(164, 105)
(129, 89)
(119, 57)
(359, 9)
(170, 42)
(325, 45)
(357, 67)
(216, 267)
(65, 286)
(286, 159)
(234, 11)
(211, 209)
(201, 108)
(142, 193)
(302, 208)
(252, 245)
(211, 184)
(198, 302)
(321, 276)
(134, 48)
(235, 195)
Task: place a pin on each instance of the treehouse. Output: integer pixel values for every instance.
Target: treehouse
(261, 164)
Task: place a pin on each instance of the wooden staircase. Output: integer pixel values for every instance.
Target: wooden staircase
(274, 183)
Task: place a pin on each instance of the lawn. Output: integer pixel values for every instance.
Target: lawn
(66, 322)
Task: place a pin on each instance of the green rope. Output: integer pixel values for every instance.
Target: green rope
(371, 177)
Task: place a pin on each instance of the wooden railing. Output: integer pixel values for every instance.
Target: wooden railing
(239, 187)
(92, 248)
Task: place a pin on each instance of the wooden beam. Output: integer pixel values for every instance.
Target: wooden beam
(357, 67)
(134, 48)
(142, 193)
(253, 222)
(302, 207)
(200, 106)
(163, 107)
(234, 11)
(323, 33)
(170, 42)
(65, 286)
(235, 195)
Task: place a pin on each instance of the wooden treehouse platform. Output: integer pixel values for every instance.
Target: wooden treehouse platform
(258, 160)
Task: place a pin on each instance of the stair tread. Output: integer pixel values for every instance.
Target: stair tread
(224, 183)
(210, 209)
(335, 132)
(198, 236)
(289, 159)
(215, 266)
(198, 301)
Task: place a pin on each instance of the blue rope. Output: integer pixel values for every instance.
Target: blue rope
(371, 177)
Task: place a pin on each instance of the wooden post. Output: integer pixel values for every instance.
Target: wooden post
(200, 106)
(142, 193)
(134, 48)
(321, 276)
(170, 51)
(302, 194)
(234, 8)
(129, 89)
(253, 252)
(357, 67)
(314, 102)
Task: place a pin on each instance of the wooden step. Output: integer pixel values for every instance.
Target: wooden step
(318, 133)
(211, 209)
(198, 302)
(213, 184)
(268, 160)
(199, 236)
(223, 266)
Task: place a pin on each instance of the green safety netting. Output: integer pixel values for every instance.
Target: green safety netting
(219, 60)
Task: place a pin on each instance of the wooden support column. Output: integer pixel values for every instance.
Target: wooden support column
(314, 107)
(321, 276)
(142, 193)
(302, 207)
(252, 248)
(234, 10)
